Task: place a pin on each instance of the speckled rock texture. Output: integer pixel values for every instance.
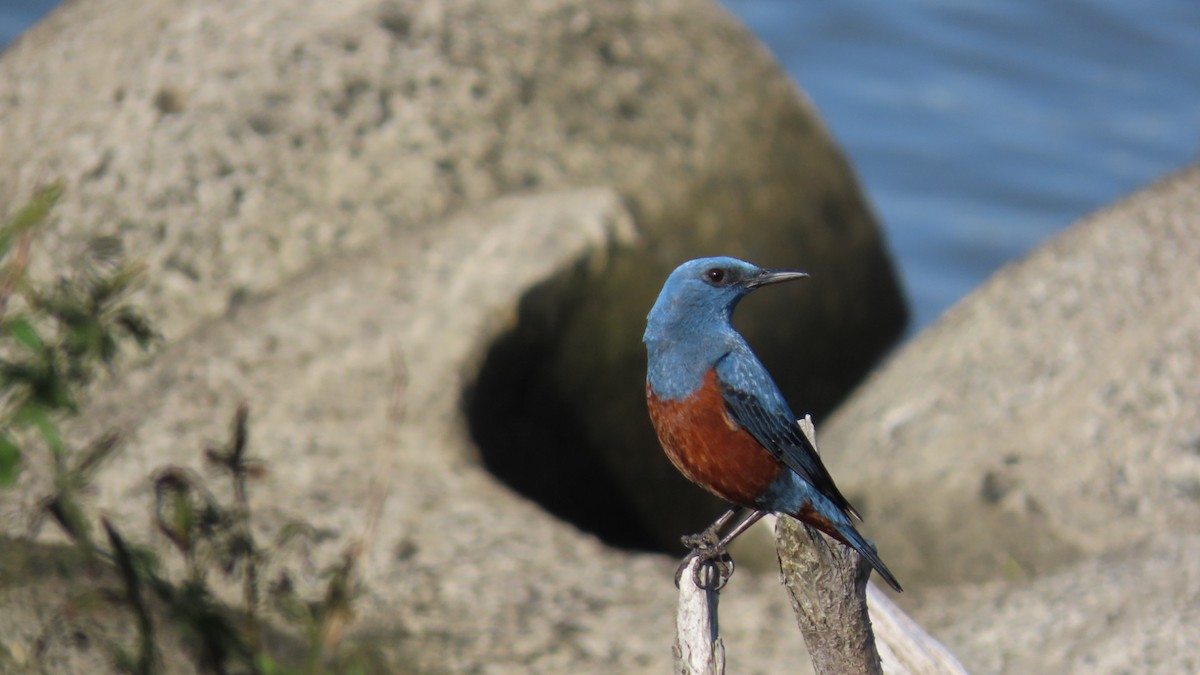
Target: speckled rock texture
(419, 240)
(234, 145)
(354, 378)
(1031, 463)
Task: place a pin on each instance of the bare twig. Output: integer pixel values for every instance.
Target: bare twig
(339, 615)
(377, 489)
(698, 647)
(903, 645)
(827, 584)
(15, 271)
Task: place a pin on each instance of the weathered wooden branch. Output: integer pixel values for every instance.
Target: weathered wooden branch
(905, 647)
(698, 647)
(827, 585)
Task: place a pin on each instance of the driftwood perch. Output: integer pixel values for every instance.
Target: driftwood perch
(904, 647)
(698, 647)
(827, 585)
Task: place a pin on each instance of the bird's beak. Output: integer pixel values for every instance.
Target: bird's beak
(774, 277)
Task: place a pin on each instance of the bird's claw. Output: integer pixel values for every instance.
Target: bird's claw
(714, 569)
(702, 541)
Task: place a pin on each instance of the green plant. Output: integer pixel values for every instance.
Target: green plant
(216, 537)
(55, 340)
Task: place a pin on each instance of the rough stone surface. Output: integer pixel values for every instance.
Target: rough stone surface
(1129, 611)
(1048, 419)
(233, 145)
(1079, 359)
(462, 574)
(1028, 466)
(52, 625)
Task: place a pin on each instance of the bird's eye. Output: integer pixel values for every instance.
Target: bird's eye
(715, 276)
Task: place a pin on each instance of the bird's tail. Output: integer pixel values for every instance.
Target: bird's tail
(867, 550)
(845, 533)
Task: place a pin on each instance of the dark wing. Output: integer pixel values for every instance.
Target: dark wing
(754, 403)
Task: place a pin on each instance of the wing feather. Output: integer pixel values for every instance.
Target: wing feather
(755, 403)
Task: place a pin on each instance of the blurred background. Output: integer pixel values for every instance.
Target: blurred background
(978, 129)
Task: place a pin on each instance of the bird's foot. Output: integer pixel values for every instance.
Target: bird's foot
(714, 568)
(701, 540)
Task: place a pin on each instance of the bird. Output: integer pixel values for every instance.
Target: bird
(722, 420)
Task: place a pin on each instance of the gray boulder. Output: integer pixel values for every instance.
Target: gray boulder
(354, 377)
(236, 148)
(1031, 461)
(323, 193)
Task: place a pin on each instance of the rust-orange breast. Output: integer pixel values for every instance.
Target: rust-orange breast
(708, 447)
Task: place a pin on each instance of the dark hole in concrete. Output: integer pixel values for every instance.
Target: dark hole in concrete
(530, 438)
(533, 439)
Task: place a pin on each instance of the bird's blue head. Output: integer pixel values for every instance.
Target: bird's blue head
(699, 297)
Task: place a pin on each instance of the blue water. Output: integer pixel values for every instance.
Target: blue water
(978, 128)
(981, 128)
(17, 15)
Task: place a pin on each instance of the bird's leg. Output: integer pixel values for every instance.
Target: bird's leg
(711, 550)
(741, 527)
